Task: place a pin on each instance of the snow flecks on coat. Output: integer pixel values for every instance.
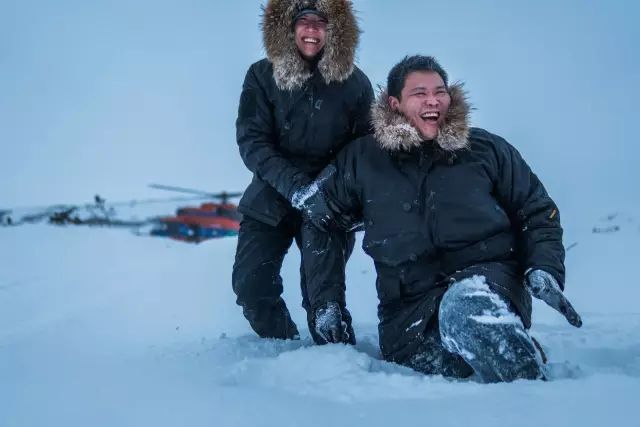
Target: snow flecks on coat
(414, 324)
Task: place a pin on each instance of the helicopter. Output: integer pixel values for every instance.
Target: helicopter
(195, 224)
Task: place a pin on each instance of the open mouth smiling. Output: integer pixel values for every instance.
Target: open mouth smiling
(430, 116)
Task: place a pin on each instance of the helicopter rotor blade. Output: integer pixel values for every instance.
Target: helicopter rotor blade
(223, 195)
(179, 189)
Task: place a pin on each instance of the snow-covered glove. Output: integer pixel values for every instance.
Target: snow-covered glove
(319, 210)
(329, 325)
(544, 286)
(311, 202)
(300, 197)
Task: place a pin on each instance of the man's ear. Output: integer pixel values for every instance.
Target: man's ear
(394, 103)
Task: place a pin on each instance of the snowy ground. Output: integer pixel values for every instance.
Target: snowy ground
(103, 328)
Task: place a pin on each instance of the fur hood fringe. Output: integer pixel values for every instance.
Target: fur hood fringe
(394, 132)
(289, 69)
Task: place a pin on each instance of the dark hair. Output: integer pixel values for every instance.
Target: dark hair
(400, 71)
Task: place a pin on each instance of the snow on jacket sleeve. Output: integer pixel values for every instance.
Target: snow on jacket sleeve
(255, 133)
(535, 215)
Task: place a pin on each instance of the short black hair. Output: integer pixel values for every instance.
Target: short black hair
(400, 71)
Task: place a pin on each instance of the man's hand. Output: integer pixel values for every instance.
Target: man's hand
(329, 325)
(311, 202)
(542, 285)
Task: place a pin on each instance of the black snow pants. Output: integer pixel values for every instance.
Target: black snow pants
(257, 282)
(476, 331)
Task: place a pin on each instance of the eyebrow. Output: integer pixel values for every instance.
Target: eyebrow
(317, 19)
(415, 89)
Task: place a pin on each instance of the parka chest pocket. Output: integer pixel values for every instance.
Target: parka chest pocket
(464, 209)
(397, 248)
(291, 120)
(283, 125)
(330, 127)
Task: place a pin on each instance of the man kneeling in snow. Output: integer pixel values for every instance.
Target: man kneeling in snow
(460, 229)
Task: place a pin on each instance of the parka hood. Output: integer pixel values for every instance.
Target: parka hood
(289, 69)
(394, 132)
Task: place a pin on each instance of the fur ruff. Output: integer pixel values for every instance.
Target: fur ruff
(289, 69)
(394, 132)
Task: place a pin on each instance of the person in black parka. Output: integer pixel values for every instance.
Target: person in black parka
(461, 231)
(298, 108)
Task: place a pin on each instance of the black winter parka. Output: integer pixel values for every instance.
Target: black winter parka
(287, 136)
(438, 211)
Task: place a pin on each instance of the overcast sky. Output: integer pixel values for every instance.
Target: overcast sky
(108, 96)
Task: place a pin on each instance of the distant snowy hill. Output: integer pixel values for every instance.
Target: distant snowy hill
(100, 327)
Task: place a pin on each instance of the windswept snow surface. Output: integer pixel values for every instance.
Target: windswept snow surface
(103, 328)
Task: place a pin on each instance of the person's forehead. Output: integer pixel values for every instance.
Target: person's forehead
(426, 78)
(312, 17)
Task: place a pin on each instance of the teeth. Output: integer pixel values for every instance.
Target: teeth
(430, 115)
(310, 40)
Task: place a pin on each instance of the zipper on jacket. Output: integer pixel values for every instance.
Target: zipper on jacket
(311, 140)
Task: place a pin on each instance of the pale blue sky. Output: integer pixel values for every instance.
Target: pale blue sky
(105, 97)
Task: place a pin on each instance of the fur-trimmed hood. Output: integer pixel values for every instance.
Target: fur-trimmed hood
(393, 131)
(289, 69)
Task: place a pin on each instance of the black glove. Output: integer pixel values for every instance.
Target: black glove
(318, 213)
(310, 200)
(544, 286)
(328, 324)
(306, 190)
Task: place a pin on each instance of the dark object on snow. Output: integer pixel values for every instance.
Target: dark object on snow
(5, 219)
(64, 217)
(605, 230)
(571, 246)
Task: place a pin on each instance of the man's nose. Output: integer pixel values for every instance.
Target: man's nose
(431, 100)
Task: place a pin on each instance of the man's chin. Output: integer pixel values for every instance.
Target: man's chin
(428, 134)
(309, 56)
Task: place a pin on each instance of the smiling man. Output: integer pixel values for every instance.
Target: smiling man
(310, 31)
(460, 230)
(298, 108)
